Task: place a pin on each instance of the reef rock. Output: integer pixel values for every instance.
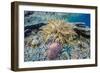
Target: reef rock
(83, 30)
(30, 28)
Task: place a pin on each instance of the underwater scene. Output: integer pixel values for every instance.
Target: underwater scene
(56, 36)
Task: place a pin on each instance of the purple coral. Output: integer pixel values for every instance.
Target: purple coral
(53, 50)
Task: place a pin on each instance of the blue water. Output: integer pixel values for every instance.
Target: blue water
(80, 18)
(35, 17)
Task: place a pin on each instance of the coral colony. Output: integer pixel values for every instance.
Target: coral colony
(56, 36)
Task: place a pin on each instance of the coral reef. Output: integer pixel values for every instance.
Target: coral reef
(55, 39)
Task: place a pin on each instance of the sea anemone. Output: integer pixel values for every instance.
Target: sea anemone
(59, 31)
